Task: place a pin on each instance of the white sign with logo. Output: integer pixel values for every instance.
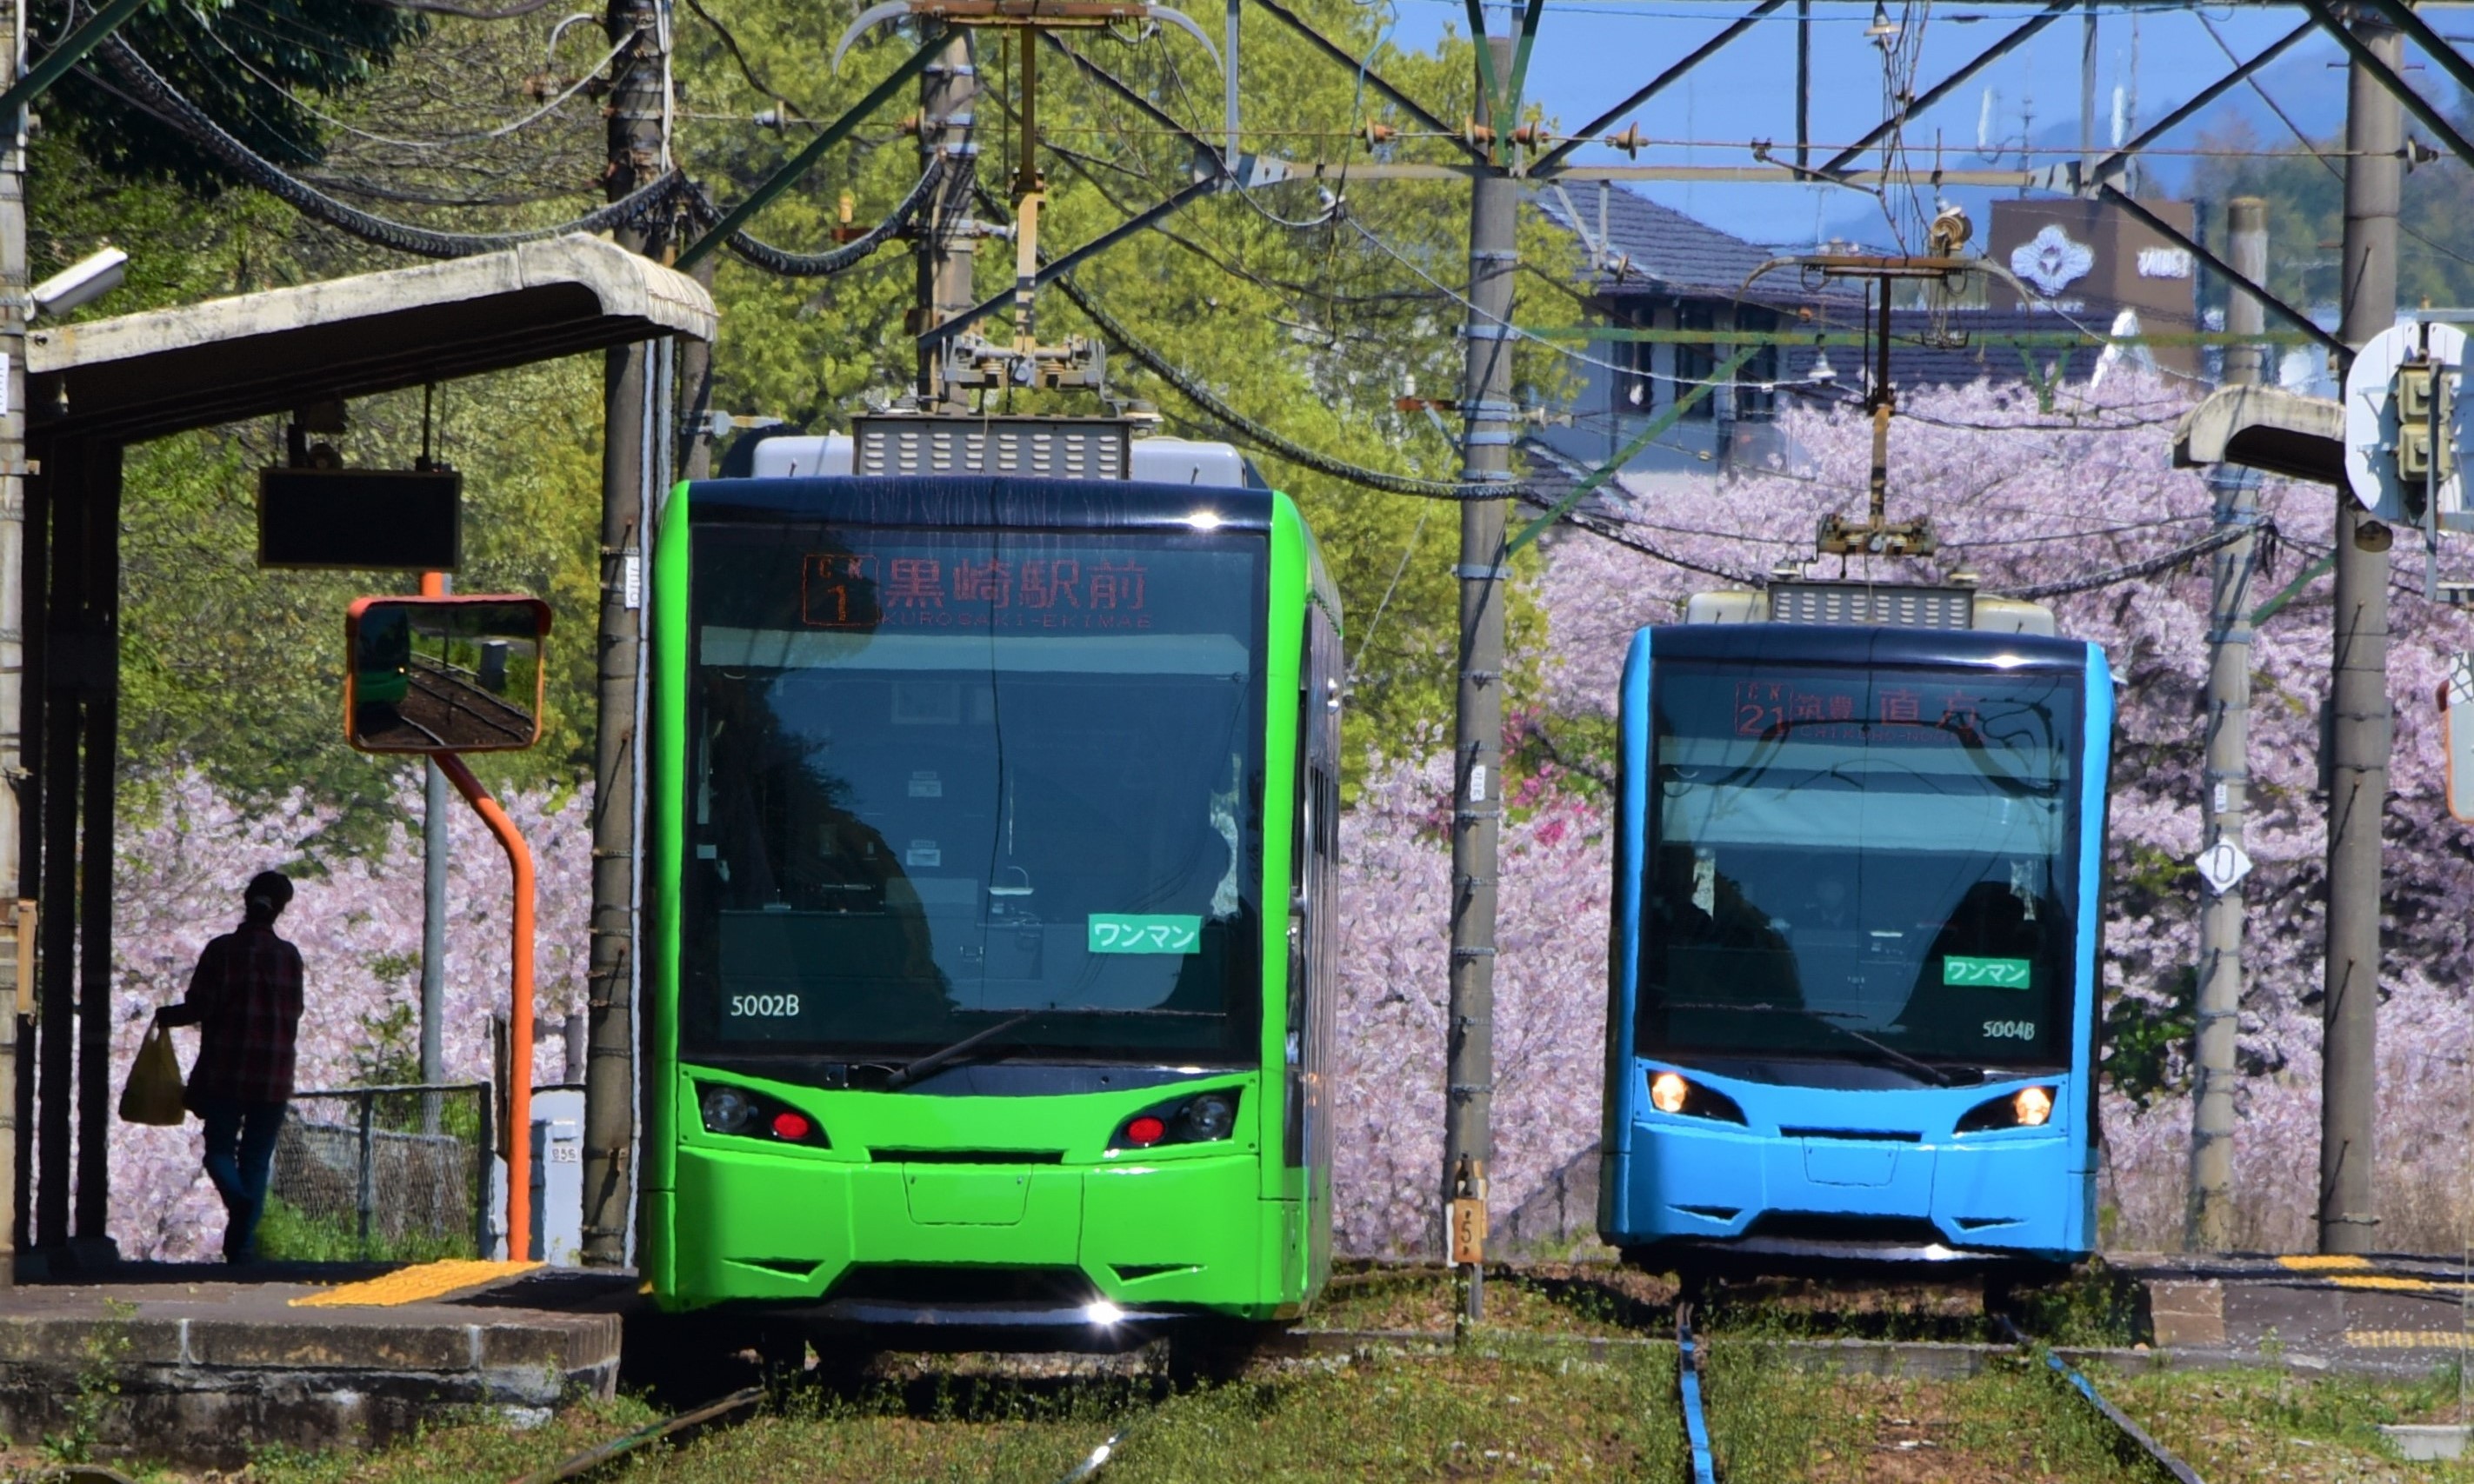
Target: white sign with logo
(2051, 261)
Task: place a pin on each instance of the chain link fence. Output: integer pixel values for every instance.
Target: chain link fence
(386, 1174)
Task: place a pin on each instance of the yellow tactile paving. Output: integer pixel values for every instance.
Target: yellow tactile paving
(2392, 1284)
(2316, 1262)
(412, 1284)
(2408, 1339)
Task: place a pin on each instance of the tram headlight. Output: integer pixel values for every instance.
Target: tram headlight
(1210, 1116)
(1675, 1094)
(744, 1113)
(1203, 1119)
(728, 1111)
(2027, 1108)
(2033, 1106)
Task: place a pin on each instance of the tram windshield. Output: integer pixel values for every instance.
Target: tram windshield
(945, 783)
(1861, 864)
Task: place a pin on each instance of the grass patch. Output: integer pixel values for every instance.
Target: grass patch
(1771, 1423)
(1429, 1300)
(286, 1233)
(1513, 1414)
(2296, 1428)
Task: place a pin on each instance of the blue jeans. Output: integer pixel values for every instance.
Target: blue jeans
(240, 1160)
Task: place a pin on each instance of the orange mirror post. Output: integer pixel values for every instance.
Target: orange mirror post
(520, 1018)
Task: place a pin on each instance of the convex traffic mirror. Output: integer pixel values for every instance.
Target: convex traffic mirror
(444, 675)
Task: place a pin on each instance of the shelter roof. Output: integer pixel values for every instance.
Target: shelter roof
(2266, 428)
(143, 375)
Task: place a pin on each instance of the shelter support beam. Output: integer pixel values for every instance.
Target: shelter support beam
(19, 977)
(99, 646)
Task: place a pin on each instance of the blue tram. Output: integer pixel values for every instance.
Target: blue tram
(1854, 972)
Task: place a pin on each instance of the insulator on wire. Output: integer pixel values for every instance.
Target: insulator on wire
(1377, 134)
(1630, 141)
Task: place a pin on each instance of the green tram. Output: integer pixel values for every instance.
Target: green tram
(988, 910)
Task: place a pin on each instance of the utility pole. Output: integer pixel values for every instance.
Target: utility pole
(2224, 787)
(948, 91)
(2358, 733)
(1477, 741)
(638, 107)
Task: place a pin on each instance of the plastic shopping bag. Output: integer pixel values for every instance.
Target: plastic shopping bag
(153, 1093)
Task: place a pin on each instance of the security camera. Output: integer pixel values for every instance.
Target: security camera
(81, 283)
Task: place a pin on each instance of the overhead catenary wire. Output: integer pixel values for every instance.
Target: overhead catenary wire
(818, 265)
(146, 89)
(441, 141)
(150, 90)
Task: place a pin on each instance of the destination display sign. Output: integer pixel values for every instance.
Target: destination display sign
(1827, 708)
(878, 582)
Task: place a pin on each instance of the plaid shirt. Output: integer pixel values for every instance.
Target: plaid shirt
(246, 995)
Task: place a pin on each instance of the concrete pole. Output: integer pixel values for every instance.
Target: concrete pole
(1486, 457)
(2359, 729)
(637, 80)
(948, 92)
(2224, 787)
(20, 975)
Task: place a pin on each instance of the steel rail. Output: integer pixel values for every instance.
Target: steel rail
(1688, 1387)
(2137, 1436)
(576, 1466)
(1098, 1458)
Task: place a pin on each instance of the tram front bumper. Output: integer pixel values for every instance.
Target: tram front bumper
(895, 1243)
(2017, 1195)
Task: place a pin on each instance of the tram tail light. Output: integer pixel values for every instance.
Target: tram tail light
(1672, 1092)
(2027, 1108)
(1203, 1119)
(746, 1115)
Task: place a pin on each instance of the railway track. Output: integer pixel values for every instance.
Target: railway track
(2133, 1443)
(735, 1406)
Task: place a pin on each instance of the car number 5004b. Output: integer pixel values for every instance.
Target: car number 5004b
(769, 1006)
(2009, 1030)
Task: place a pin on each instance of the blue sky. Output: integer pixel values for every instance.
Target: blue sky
(1591, 52)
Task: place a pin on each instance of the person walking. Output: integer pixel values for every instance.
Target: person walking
(245, 997)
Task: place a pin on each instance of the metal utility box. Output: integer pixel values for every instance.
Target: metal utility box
(558, 1176)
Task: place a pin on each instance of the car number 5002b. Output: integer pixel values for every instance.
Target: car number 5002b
(769, 1006)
